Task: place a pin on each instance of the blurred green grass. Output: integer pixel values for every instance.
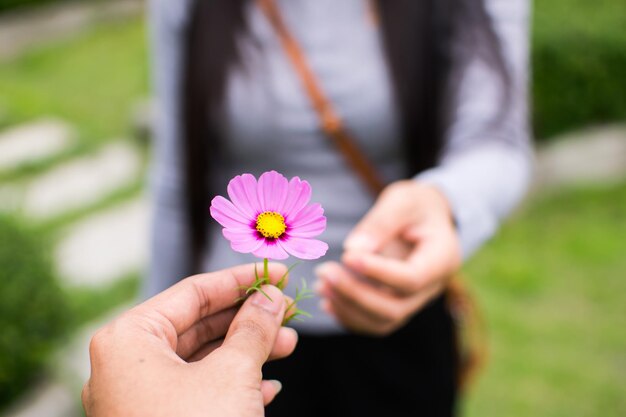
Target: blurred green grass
(552, 288)
(579, 62)
(92, 80)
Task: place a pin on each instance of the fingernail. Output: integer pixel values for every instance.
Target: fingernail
(361, 242)
(277, 385)
(321, 270)
(270, 301)
(324, 271)
(354, 261)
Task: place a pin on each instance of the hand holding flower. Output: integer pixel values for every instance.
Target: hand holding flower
(191, 351)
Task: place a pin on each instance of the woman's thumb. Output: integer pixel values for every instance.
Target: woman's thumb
(380, 225)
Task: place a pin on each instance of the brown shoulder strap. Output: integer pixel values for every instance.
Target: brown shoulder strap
(330, 121)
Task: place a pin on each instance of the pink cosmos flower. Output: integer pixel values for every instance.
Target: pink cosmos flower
(271, 218)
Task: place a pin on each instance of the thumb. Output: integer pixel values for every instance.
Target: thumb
(382, 223)
(254, 329)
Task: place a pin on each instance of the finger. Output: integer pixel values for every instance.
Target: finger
(373, 301)
(204, 331)
(270, 389)
(284, 346)
(194, 298)
(403, 276)
(358, 321)
(205, 350)
(253, 332)
(352, 319)
(382, 223)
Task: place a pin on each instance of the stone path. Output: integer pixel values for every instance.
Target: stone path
(34, 142)
(50, 399)
(77, 183)
(105, 246)
(592, 156)
(94, 251)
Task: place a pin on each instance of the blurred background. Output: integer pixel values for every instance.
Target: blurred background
(74, 141)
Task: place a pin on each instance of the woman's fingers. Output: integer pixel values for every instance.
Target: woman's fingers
(377, 303)
(361, 321)
(365, 308)
(383, 222)
(400, 275)
(354, 318)
(434, 257)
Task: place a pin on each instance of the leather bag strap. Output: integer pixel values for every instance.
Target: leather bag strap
(330, 122)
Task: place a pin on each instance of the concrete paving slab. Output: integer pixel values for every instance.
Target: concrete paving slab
(106, 246)
(587, 157)
(81, 182)
(34, 141)
(49, 399)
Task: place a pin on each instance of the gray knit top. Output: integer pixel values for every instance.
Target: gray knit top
(269, 124)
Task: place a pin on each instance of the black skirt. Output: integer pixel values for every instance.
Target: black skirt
(412, 372)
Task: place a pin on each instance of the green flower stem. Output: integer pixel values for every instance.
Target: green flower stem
(301, 293)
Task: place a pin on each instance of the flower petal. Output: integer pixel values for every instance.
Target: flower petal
(271, 250)
(298, 196)
(240, 235)
(305, 216)
(272, 191)
(246, 246)
(227, 214)
(242, 191)
(243, 240)
(312, 229)
(304, 248)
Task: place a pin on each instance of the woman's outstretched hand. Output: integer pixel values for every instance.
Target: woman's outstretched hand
(190, 351)
(407, 248)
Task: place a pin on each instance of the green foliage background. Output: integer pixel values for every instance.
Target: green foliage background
(33, 310)
(552, 287)
(578, 64)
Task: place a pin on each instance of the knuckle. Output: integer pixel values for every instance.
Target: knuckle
(254, 332)
(396, 187)
(84, 395)
(96, 345)
(238, 360)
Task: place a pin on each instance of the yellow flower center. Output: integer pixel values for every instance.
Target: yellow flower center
(271, 224)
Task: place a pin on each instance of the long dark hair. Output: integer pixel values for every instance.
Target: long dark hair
(420, 37)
